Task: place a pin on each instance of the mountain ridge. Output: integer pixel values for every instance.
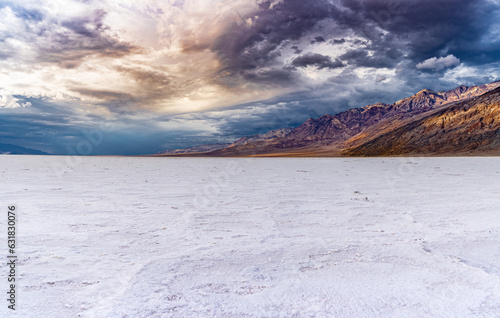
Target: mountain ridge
(276, 133)
(470, 126)
(195, 149)
(335, 134)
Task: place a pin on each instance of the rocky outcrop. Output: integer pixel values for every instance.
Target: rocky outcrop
(277, 133)
(368, 130)
(471, 126)
(192, 150)
(355, 126)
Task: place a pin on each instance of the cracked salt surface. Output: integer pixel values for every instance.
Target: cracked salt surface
(391, 237)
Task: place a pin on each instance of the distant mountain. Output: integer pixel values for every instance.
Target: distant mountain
(471, 126)
(329, 134)
(195, 149)
(350, 132)
(7, 149)
(270, 136)
(277, 133)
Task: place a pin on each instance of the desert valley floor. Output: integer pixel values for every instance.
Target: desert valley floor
(262, 237)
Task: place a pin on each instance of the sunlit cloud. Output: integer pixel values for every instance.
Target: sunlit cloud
(438, 64)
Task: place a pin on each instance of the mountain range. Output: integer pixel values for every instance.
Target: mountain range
(8, 149)
(465, 120)
(196, 149)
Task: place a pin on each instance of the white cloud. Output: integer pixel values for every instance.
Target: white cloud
(438, 64)
(471, 74)
(9, 101)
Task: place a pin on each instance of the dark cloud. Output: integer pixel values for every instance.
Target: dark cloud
(104, 95)
(384, 34)
(296, 49)
(318, 60)
(91, 26)
(427, 27)
(150, 80)
(244, 48)
(318, 39)
(154, 84)
(392, 30)
(338, 41)
(353, 5)
(80, 38)
(388, 58)
(273, 77)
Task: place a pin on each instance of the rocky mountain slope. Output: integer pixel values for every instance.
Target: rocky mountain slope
(369, 130)
(195, 149)
(471, 126)
(354, 126)
(277, 133)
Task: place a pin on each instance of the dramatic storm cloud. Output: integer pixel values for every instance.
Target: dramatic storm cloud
(318, 60)
(175, 73)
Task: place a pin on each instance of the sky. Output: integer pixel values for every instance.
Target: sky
(134, 77)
